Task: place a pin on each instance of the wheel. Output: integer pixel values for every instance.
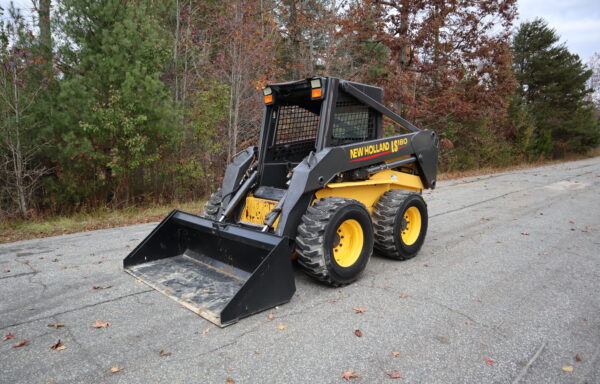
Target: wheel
(211, 208)
(400, 224)
(335, 240)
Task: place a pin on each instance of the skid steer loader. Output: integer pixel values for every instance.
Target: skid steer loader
(324, 186)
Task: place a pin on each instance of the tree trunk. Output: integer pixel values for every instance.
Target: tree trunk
(45, 29)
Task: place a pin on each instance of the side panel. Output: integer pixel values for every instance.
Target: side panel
(369, 191)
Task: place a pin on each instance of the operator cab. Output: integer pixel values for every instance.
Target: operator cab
(299, 120)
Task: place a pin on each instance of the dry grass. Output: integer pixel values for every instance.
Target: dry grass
(17, 230)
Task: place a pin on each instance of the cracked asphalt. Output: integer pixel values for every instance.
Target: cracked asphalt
(505, 290)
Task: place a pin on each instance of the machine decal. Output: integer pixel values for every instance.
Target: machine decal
(375, 150)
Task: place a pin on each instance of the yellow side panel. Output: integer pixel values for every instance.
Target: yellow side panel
(257, 209)
(369, 191)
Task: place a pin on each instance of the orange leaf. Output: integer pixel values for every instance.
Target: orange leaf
(58, 346)
(270, 317)
(359, 310)
(162, 353)
(489, 362)
(8, 336)
(116, 369)
(56, 325)
(395, 354)
(358, 333)
(100, 324)
(229, 380)
(348, 375)
(281, 326)
(20, 343)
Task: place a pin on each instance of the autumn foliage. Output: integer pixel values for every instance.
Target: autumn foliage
(127, 103)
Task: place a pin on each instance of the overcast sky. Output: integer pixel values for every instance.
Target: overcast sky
(577, 22)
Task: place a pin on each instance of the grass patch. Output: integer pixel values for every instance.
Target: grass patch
(17, 230)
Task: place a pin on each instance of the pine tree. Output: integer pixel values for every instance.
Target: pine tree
(552, 86)
(116, 111)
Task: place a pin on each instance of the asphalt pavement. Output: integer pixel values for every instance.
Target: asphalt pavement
(505, 290)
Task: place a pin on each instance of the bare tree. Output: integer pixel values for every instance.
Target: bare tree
(594, 65)
(18, 93)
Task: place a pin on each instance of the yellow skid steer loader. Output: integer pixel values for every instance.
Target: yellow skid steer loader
(324, 187)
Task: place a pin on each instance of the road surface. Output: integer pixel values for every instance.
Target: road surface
(506, 289)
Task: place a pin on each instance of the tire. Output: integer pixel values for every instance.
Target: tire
(392, 217)
(326, 227)
(211, 208)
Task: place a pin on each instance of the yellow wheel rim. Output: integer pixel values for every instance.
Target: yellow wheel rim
(411, 226)
(348, 243)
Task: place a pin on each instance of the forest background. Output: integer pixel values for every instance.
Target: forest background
(113, 104)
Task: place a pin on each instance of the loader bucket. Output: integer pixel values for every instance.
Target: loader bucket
(221, 272)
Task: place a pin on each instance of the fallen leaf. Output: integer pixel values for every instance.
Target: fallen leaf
(205, 331)
(100, 324)
(8, 336)
(20, 343)
(54, 260)
(229, 380)
(358, 333)
(525, 233)
(162, 353)
(58, 346)
(571, 222)
(395, 354)
(489, 362)
(270, 316)
(97, 262)
(6, 270)
(394, 375)
(403, 296)
(348, 375)
(95, 287)
(116, 369)
(56, 325)
(567, 368)
(468, 323)
(578, 357)
(359, 310)
(281, 326)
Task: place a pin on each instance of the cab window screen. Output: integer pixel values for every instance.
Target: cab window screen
(295, 124)
(352, 122)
